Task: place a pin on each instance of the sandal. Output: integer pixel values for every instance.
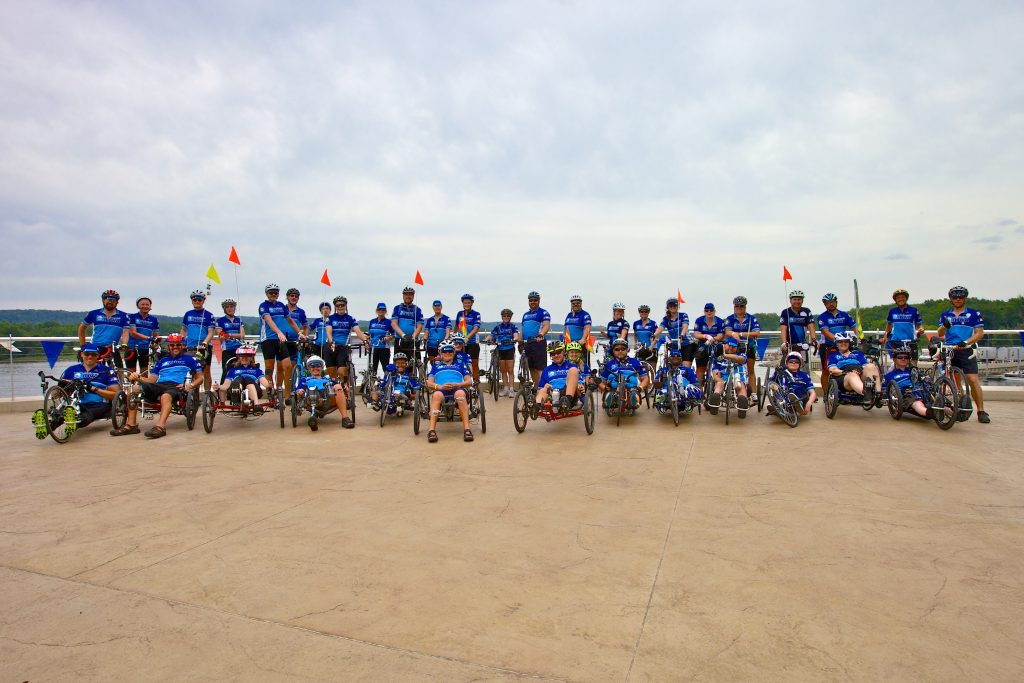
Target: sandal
(432, 436)
(156, 432)
(125, 429)
(467, 435)
(347, 423)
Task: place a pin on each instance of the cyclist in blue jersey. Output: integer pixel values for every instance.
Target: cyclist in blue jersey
(143, 330)
(197, 326)
(437, 328)
(618, 326)
(707, 330)
(560, 375)
(643, 333)
(964, 327)
(676, 325)
(100, 388)
(574, 353)
(801, 387)
(578, 321)
(736, 353)
(380, 332)
(317, 379)
(407, 324)
(536, 323)
(745, 329)
(109, 327)
(294, 335)
(903, 324)
(796, 323)
(634, 373)
(467, 322)
(460, 351)
(319, 329)
(448, 379)
(852, 369)
(231, 332)
(244, 383)
(684, 378)
(167, 379)
(274, 321)
(405, 384)
(912, 394)
(505, 335)
(341, 325)
(830, 323)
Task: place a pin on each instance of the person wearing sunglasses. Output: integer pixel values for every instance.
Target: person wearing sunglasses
(109, 327)
(172, 375)
(963, 327)
(913, 395)
(198, 326)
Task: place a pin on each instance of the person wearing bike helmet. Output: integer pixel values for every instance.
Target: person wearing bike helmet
(319, 326)
(745, 329)
(904, 375)
(831, 322)
(380, 331)
(964, 327)
(505, 336)
(560, 374)
(274, 321)
(341, 326)
(467, 323)
(643, 332)
(578, 321)
(197, 326)
(796, 324)
(448, 379)
(295, 334)
(143, 332)
(536, 323)
(574, 352)
(708, 330)
(318, 379)
(405, 383)
(460, 351)
(437, 328)
(801, 387)
(852, 369)
(684, 378)
(633, 372)
(903, 324)
(407, 323)
(100, 388)
(676, 324)
(109, 328)
(232, 334)
(618, 326)
(733, 351)
(170, 377)
(244, 382)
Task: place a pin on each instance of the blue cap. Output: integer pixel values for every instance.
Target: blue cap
(382, 305)
(709, 306)
(90, 348)
(731, 342)
(675, 352)
(437, 302)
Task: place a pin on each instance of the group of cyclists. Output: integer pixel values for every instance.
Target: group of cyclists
(667, 351)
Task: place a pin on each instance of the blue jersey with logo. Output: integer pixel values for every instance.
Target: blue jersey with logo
(574, 324)
(796, 323)
(238, 370)
(464, 358)
(472, 320)
(644, 331)
(532, 321)
(714, 328)
(905, 381)
(675, 327)
(631, 369)
(278, 313)
(378, 329)
(721, 365)
(962, 325)
(322, 383)
(840, 321)
(147, 326)
(229, 326)
(799, 383)
(405, 382)
(614, 329)
(681, 376)
(341, 327)
(905, 322)
(408, 317)
(318, 330)
(175, 369)
(106, 329)
(100, 377)
(197, 324)
(299, 316)
(850, 360)
(555, 375)
(504, 333)
(742, 327)
(448, 373)
(437, 329)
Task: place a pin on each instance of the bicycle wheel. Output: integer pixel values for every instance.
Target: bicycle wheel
(787, 412)
(55, 404)
(420, 407)
(386, 399)
(623, 399)
(589, 411)
(295, 410)
(759, 388)
(119, 410)
(209, 411)
(280, 405)
(191, 408)
(483, 410)
(946, 403)
(963, 391)
(673, 400)
(494, 380)
(832, 398)
(894, 400)
(521, 409)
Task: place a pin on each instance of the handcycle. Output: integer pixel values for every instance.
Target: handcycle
(62, 406)
(185, 403)
(938, 392)
(234, 406)
(674, 400)
(775, 389)
(449, 409)
(729, 397)
(394, 399)
(317, 401)
(624, 397)
(836, 395)
(943, 367)
(525, 406)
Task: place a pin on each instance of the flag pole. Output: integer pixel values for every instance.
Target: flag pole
(856, 301)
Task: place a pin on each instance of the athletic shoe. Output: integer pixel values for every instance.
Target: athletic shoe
(741, 406)
(312, 423)
(39, 422)
(70, 421)
(714, 401)
(983, 417)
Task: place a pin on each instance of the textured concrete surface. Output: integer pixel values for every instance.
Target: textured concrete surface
(856, 549)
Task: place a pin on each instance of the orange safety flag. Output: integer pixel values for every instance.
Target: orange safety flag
(679, 296)
(324, 279)
(785, 274)
(462, 326)
(419, 278)
(590, 342)
(234, 256)
(217, 350)
(567, 337)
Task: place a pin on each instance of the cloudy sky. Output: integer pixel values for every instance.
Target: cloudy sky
(620, 150)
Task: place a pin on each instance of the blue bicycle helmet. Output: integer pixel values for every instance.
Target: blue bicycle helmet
(467, 296)
(829, 296)
(533, 295)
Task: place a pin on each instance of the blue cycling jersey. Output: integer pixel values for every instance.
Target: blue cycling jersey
(674, 326)
(682, 376)
(799, 383)
(840, 321)
(742, 327)
(849, 360)
(378, 329)
(100, 377)
(503, 333)
(614, 329)
(318, 330)
(464, 358)
(437, 329)
(299, 316)
(405, 382)
(714, 328)
(532, 321)
(341, 327)
(229, 326)
(197, 324)
(472, 324)
(175, 368)
(408, 317)
(318, 383)
(904, 380)
(575, 323)
(644, 331)
(147, 326)
(555, 375)
(278, 313)
(905, 322)
(962, 325)
(238, 370)
(448, 373)
(796, 323)
(106, 329)
(630, 367)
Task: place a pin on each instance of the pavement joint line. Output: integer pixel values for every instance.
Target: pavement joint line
(661, 558)
(304, 629)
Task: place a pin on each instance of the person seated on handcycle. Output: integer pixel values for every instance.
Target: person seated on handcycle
(171, 376)
(913, 395)
(405, 383)
(100, 388)
(562, 376)
(854, 372)
(574, 352)
(684, 378)
(799, 384)
(449, 378)
(319, 380)
(461, 356)
(720, 368)
(633, 371)
(244, 377)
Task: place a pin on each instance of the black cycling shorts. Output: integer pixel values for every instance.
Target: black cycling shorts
(536, 355)
(153, 392)
(506, 354)
(406, 345)
(962, 359)
(431, 352)
(689, 351)
(473, 349)
(273, 350)
(703, 356)
(137, 358)
(339, 357)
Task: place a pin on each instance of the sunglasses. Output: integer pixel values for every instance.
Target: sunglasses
(901, 357)
(198, 298)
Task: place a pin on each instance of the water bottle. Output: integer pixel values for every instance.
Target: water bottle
(555, 395)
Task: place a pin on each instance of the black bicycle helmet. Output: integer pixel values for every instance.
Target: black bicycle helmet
(340, 300)
(957, 290)
(292, 292)
(739, 301)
